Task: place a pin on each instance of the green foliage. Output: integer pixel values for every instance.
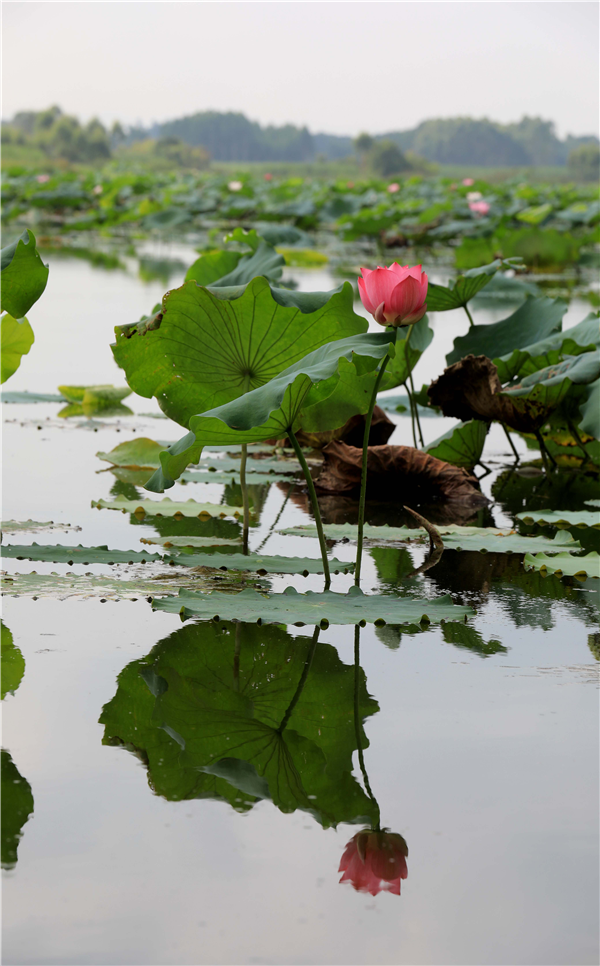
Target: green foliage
(17, 806)
(582, 337)
(462, 445)
(563, 564)
(584, 162)
(78, 555)
(260, 563)
(13, 662)
(16, 337)
(533, 321)
(60, 135)
(386, 159)
(24, 275)
(169, 508)
(290, 607)
(561, 518)
(461, 635)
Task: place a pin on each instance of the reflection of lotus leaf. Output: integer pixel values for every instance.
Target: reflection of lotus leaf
(204, 710)
(17, 806)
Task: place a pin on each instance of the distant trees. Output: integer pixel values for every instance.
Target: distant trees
(387, 159)
(584, 162)
(232, 137)
(59, 135)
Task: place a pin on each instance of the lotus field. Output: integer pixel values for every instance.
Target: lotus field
(357, 428)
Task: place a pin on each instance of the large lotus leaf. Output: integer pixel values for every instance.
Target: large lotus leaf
(564, 564)
(408, 353)
(461, 635)
(169, 508)
(24, 275)
(261, 564)
(561, 518)
(135, 454)
(589, 408)
(13, 662)
(17, 338)
(521, 362)
(202, 351)
(462, 445)
(533, 321)
(547, 386)
(211, 266)
(144, 453)
(454, 537)
(209, 702)
(264, 261)
(306, 302)
(17, 806)
(76, 555)
(271, 410)
(290, 607)
(442, 299)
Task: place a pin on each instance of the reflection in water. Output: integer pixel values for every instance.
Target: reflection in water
(375, 859)
(17, 806)
(241, 713)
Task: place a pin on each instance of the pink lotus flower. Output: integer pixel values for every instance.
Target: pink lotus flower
(268, 177)
(468, 182)
(479, 207)
(42, 178)
(375, 862)
(395, 295)
(350, 184)
(393, 188)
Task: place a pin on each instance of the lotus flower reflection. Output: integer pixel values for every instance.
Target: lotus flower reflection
(395, 295)
(375, 862)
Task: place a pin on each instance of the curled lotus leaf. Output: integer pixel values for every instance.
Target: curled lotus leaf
(462, 445)
(583, 337)
(291, 607)
(563, 564)
(535, 319)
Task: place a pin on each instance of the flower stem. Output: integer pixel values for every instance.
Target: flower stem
(357, 724)
(245, 505)
(416, 405)
(363, 478)
(511, 444)
(315, 505)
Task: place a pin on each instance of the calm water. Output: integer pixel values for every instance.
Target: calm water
(480, 741)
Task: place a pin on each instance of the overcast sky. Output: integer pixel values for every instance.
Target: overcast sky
(338, 67)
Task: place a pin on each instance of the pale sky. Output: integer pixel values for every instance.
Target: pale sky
(339, 67)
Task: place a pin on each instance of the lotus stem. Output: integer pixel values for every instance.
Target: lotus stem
(469, 316)
(574, 432)
(545, 454)
(512, 445)
(357, 723)
(315, 505)
(416, 405)
(412, 413)
(276, 520)
(302, 681)
(363, 478)
(245, 505)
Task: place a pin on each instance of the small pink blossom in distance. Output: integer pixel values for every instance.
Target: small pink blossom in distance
(235, 185)
(468, 182)
(350, 184)
(43, 178)
(97, 190)
(268, 177)
(393, 188)
(375, 862)
(395, 295)
(474, 195)
(479, 207)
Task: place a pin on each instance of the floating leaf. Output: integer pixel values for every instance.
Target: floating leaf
(192, 541)
(139, 453)
(258, 563)
(17, 338)
(255, 479)
(455, 537)
(76, 555)
(201, 351)
(13, 662)
(562, 518)
(104, 586)
(95, 397)
(17, 806)
(564, 564)
(32, 526)
(169, 508)
(29, 397)
(24, 276)
(533, 321)
(290, 607)
(462, 445)
(269, 411)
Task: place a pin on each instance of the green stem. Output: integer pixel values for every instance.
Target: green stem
(416, 405)
(245, 505)
(276, 520)
(357, 724)
(412, 413)
(363, 478)
(315, 505)
(512, 445)
(470, 317)
(302, 681)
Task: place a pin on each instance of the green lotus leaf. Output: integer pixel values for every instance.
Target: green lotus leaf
(96, 396)
(231, 476)
(442, 299)
(564, 564)
(454, 537)
(105, 586)
(24, 276)
(259, 563)
(169, 508)
(192, 541)
(290, 607)
(30, 397)
(206, 709)
(17, 338)
(589, 408)
(138, 453)
(544, 390)
(13, 662)
(521, 362)
(535, 214)
(533, 321)
(17, 806)
(18, 526)
(269, 411)
(203, 351)
(212, 266)
(76, 555)
(561, 518)
(144, 453)
(462, 445)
